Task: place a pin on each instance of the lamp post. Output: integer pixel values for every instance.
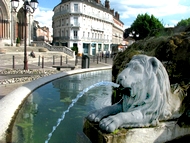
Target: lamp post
(134, 35)
(28, 6)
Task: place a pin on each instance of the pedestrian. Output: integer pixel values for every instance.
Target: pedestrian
(32, 54)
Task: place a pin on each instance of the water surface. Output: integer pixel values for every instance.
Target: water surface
(45, 106)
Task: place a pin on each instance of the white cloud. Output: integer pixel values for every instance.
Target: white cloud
(168, 11)
(131, 8)
(44, 17)
(165, 10)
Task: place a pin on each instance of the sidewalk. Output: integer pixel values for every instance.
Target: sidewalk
(6, 89)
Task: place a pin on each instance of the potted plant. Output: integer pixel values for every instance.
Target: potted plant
(18, 42)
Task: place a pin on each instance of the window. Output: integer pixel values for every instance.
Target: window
(75, 33)
(88, 34)
(59, 33)
(63, 22)
(67, 33)
(106, 46)
(84, 8)
(75, 20)
(84, 21)
(75, 7)
(67, 21)
(83, 33)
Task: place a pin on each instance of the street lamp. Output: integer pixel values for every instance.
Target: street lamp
(28, 6)
(134, 35)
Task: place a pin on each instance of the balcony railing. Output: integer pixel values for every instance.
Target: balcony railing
(75, 25)
(61, 38)
(74, 38)
(89, 13)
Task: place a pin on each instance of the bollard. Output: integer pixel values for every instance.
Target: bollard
(94, 58)
(76, 61)
(53, 60)
(66, 59)
(97, 59)
(42, 61)
(106, 59)
(13, 62)
(100, 58)
(39, 60)
(61, 60)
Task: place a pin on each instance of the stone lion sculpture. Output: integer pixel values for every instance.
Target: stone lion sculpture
(146, 97)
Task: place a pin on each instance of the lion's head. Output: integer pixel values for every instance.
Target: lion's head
(149, 87)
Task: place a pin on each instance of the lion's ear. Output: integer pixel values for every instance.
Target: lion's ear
(154, 62)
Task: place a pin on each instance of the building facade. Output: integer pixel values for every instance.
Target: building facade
(86, 24)
(41, 33)
(12, 25)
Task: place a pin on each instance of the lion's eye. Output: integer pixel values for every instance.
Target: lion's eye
(137, 68)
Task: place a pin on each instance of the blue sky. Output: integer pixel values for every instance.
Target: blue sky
(169, 12)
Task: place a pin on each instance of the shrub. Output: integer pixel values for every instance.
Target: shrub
(75, 49)
(17, 40)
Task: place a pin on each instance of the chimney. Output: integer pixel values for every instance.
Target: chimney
(107, 4)
(112, 11)
(98, 1)
(116, 14)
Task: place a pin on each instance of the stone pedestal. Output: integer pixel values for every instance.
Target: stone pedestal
(166, 131)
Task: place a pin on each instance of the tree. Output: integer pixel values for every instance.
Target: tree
(146, 25)
(75, 49)
(184, 22)
(126, 32)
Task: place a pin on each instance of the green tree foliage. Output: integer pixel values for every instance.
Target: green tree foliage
(18, 40)
(184, 22)
(146, 25)
(75, 49)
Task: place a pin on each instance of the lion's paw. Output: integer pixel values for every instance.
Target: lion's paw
(110, 123)
(95, 116)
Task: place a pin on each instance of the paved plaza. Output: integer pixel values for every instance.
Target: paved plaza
(36, 63)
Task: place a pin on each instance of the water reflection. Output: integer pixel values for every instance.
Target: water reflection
(46, 104)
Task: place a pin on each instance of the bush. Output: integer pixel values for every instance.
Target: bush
(75, 49)
(18, 40)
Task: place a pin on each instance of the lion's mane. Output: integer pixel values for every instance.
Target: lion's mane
(153, 97)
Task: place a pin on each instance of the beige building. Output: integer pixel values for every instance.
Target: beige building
(41, 33)
(88, 25)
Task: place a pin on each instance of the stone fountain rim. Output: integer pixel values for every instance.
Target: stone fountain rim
(11, 102)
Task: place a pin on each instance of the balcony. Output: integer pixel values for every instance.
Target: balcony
(75, 25)
(74, 38)
(63, 12)
(61, 38)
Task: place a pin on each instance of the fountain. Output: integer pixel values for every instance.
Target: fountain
(71, 85)
(145, 112)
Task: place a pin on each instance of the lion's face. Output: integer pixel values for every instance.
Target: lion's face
(138, 73)
(133, 73)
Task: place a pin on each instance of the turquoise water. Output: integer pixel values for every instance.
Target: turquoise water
(43, 108)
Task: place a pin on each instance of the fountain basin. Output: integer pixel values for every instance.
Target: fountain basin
(10, 104)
